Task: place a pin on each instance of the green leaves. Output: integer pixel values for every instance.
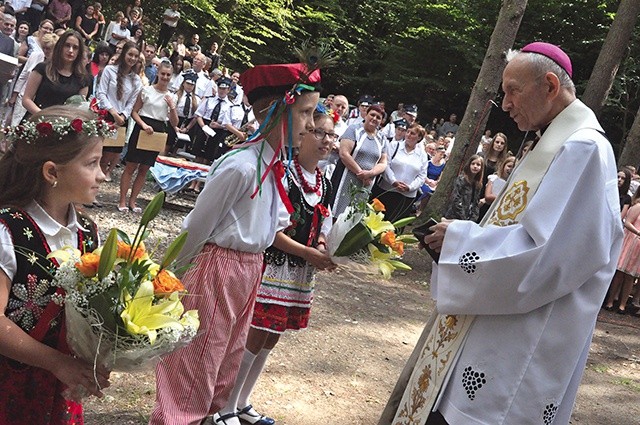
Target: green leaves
(174, 250)
(152, 209)
(108, 254)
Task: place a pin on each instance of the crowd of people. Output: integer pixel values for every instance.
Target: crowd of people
(259, 253)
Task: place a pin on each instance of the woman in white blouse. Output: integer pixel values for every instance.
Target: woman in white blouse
(117, 92)
(403, 177)
(154, 107)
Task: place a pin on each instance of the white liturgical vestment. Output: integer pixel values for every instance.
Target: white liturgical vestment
(535, 289)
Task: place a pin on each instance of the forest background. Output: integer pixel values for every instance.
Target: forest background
(426, 52)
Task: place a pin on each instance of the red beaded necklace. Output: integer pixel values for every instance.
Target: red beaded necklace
(305, 186)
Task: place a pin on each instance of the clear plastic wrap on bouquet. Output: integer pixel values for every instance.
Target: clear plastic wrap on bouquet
(89, 339)
(362, 240)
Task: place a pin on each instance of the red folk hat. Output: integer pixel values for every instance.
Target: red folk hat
(551, 51)
(266, 80)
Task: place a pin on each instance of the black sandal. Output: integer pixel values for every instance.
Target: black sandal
(254, 418)
(222, 419)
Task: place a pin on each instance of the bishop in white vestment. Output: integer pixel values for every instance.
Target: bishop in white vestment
(529, 281)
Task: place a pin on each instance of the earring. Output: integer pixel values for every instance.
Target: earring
(54, 184)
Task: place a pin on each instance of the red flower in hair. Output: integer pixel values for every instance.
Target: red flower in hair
(44, 128)
(77, 125)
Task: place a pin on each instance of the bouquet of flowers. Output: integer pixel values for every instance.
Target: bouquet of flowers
(361, 235)
(122, 308)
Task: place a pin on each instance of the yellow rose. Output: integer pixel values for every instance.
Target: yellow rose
(88, 264)
(166, 282)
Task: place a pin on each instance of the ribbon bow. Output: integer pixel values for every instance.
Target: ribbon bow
(318, 211)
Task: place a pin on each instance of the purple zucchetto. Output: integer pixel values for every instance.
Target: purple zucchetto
(553, 52)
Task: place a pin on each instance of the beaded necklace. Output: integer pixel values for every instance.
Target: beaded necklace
(305, 185)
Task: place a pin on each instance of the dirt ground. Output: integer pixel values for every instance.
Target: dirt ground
(342, 369)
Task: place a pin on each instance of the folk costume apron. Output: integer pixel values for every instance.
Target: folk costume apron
(447, 336)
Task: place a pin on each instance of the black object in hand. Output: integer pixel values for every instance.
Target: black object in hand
(422, 231)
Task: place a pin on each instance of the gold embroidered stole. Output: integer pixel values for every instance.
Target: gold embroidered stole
(448, 333)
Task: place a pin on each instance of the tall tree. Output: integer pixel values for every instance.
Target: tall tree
(631, 152)
(484, 90)
(611, 54)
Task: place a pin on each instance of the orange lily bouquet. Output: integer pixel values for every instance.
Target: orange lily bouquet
(362, 235)
(122, 308)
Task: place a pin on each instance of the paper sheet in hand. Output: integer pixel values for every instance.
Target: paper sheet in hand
(209, 131)
(184, 137)
(116, 141)
(7, 63)
(154, 142)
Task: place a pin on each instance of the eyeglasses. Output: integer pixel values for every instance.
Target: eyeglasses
(320, 134)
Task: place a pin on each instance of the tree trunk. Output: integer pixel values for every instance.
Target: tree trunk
(611, 54)
(631, 153)
(476, 114)
(467, 138)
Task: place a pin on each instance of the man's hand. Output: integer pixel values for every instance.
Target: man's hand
(435, 239)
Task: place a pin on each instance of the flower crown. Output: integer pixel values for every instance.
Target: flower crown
(57, 128)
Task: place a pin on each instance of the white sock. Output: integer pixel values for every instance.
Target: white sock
(252, 377)
(245, 366)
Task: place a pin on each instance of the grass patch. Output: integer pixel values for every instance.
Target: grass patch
(630, 383)
(599, 368)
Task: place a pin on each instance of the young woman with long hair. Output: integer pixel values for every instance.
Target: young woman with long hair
(117, 92)
(54, 81)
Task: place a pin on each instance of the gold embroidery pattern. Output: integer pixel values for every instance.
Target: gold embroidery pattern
(431, 368)
(511, 205)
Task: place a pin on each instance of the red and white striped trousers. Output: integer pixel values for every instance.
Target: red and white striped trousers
(196, 380)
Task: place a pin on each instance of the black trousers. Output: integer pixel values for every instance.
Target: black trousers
(166, 32)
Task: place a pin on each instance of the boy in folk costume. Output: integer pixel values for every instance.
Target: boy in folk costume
(235, 219)
(517, 299)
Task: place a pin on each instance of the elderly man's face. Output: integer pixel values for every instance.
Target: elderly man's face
(525, 96)
(8, 27)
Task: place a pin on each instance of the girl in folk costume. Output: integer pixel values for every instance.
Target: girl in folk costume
(285, 295)
(228, 232)
(58, 152)
(466, 191)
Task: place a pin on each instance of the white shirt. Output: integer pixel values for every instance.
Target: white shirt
(204, 86)
(20, 4)
(35, 58)
(340, 127)
(225, 214)
(536, 289)
(153, 104)
(407, 167)
(172, 14)
(56, 235)
(311, 198)
(118, 30)
(237, 115)
(180, 105)
(206, 107)
(107, 90)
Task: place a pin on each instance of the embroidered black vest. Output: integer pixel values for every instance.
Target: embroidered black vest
(31, 288)
(301, 220)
